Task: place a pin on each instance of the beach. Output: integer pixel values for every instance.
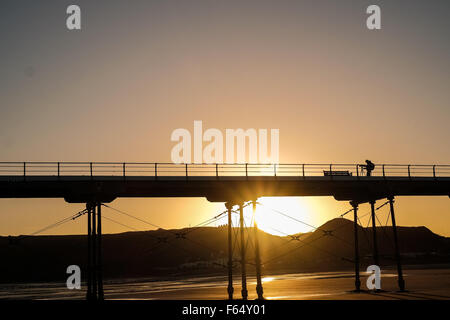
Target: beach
(421, 284)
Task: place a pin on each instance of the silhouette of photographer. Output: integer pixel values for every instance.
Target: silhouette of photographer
(369, 167)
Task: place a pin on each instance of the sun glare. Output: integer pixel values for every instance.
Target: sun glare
(267, 279)
(272, 215)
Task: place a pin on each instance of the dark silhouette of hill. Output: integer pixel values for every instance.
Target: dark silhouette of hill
(204, 251)
(324, 250)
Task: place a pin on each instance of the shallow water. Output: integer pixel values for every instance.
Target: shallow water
(420, 283)
(284, 286)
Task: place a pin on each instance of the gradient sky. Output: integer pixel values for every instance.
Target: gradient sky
(137, 70)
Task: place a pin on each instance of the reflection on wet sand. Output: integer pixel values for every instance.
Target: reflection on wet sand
(427, 284)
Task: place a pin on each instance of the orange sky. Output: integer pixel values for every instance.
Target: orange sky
(115, 91)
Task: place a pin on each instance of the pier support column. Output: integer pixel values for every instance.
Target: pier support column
(259, 287)
(94, 252)
(243, 262)
(99, 252)
(401, 282)
(89, 260)
(355, 224)
(94, 267)
(230, 289)
(376, 260)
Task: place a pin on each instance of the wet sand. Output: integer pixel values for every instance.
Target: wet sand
(428, 284)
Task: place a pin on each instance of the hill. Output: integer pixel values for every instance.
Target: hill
(204, 251)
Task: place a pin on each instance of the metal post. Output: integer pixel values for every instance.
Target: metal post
(374, 232)
(99, 252)
(229, 206)
(259, 287)
(401, 282)
(89, 261)
(355, 217)
(94, 253)
(243, 263)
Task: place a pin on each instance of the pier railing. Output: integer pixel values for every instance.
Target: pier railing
(123, 169)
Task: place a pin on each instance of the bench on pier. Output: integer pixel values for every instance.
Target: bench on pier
(337, 173)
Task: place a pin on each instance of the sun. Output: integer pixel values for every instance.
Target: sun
(273, 215)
